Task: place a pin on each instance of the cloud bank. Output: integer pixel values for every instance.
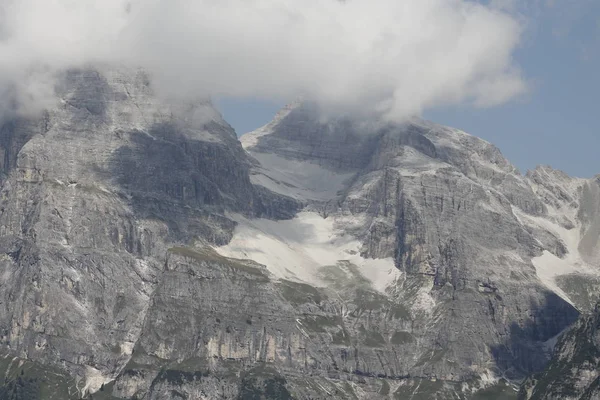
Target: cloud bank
(392, 57)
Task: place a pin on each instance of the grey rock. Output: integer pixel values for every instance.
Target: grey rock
(459, 217)
(573, 372)
(87, 209)
(111, 204)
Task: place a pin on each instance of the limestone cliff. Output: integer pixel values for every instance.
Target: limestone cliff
(145, 254)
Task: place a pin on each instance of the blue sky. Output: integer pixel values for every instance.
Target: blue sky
(556, 123)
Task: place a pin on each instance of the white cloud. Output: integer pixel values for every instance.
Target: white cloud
(393, 56)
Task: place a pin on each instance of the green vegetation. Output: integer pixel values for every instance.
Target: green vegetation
(21, 389)
(318, 323)
(349, 391)
(385, 388)
(105, 393)
(344, 275)
(366, 301)
(179, 377)
(583, 290)
(423, 389)
(263, 383)
(93, 189)
(193, 364)
(500, 391)
(419, 389)
(300, 293)
(557, 380)
(209, 255)
(349, 284)
(26, 380)
(141, 360)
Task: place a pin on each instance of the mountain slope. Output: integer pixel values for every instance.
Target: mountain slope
(487, 247)
(573, 372)
(92, 195)
(145, 254)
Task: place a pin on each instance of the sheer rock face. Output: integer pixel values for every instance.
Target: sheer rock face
(498, 252)
(116, 210)
(92, 194)
(573, 371)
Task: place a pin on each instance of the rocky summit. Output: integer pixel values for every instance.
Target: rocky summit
(147, 253)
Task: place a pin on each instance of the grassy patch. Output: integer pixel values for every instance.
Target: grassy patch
(263, 382)
(27, 380)
(419, 389)
(193, 364)
(141, 360)
(300, 293)
(385, 388)
(319, 323)
(501, 391)
(557, 379)
(105, 392)
(209, 255)
(179, 377)
(583, 290)
(344, 275)
(349, 391)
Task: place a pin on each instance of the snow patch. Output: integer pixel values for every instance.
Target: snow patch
(250, 139)
(127, 348)
(488, 378)
(301, 180)
(94, 379)
(297, 249)
(548, 266)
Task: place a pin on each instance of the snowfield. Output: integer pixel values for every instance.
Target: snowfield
(297, 249)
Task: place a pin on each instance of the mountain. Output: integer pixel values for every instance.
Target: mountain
(573, 372)
(145, 253)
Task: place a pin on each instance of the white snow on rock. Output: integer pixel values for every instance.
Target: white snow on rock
(548, 266)
(250, 139)
(301, 180)
(94, 379)
(297, 249)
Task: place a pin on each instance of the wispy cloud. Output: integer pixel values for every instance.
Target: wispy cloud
(392, 57)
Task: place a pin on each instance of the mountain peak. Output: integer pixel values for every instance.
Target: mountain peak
(145, 253)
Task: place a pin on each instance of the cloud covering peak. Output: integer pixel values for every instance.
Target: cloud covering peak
(392, 57)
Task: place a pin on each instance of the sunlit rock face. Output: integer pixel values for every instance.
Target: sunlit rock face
(146, 253)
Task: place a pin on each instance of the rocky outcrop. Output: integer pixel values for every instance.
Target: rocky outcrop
(573, 372)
